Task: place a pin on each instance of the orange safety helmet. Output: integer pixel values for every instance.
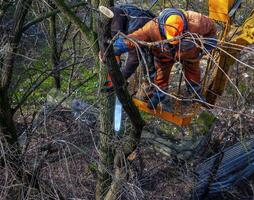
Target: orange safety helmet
(173, 27)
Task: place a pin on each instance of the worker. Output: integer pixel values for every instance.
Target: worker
(172, 25)
(127, 19)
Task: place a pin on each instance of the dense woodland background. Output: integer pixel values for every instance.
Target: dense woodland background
(56, 126)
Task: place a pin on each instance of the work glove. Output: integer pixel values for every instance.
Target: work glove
(169, 48)
(185, 45)
(187, 51)
(157, 97)
(210, 43)
(120, 47)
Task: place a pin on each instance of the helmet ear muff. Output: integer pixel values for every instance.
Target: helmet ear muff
(173, 27)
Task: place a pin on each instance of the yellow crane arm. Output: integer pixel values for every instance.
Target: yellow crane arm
(244, 36)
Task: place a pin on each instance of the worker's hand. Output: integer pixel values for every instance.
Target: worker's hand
(157, 97)
(120, 47)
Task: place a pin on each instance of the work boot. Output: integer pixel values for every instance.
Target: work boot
(166, 104)
(145, 92)
(147, 89)
(194, 89)
(161, 98)
(157, 97)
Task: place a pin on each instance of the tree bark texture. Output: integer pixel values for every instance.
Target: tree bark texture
(7, 126)
(54, 54)
(106, 159)
(120, 88)
(106, 151)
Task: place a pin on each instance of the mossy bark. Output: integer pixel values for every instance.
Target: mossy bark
(120, 88)
(106, 151)
(54, 50)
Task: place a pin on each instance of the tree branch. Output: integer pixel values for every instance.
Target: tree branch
(49, 14)
(66, 11)
(37, 84)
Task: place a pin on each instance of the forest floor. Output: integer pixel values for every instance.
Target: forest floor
(66, 149)
(70, 164)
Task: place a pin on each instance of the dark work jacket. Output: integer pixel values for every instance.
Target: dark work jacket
(127, 19)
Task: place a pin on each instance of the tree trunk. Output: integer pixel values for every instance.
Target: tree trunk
(54, 53)
(7, 125)
(120, 88)
(106, 152)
